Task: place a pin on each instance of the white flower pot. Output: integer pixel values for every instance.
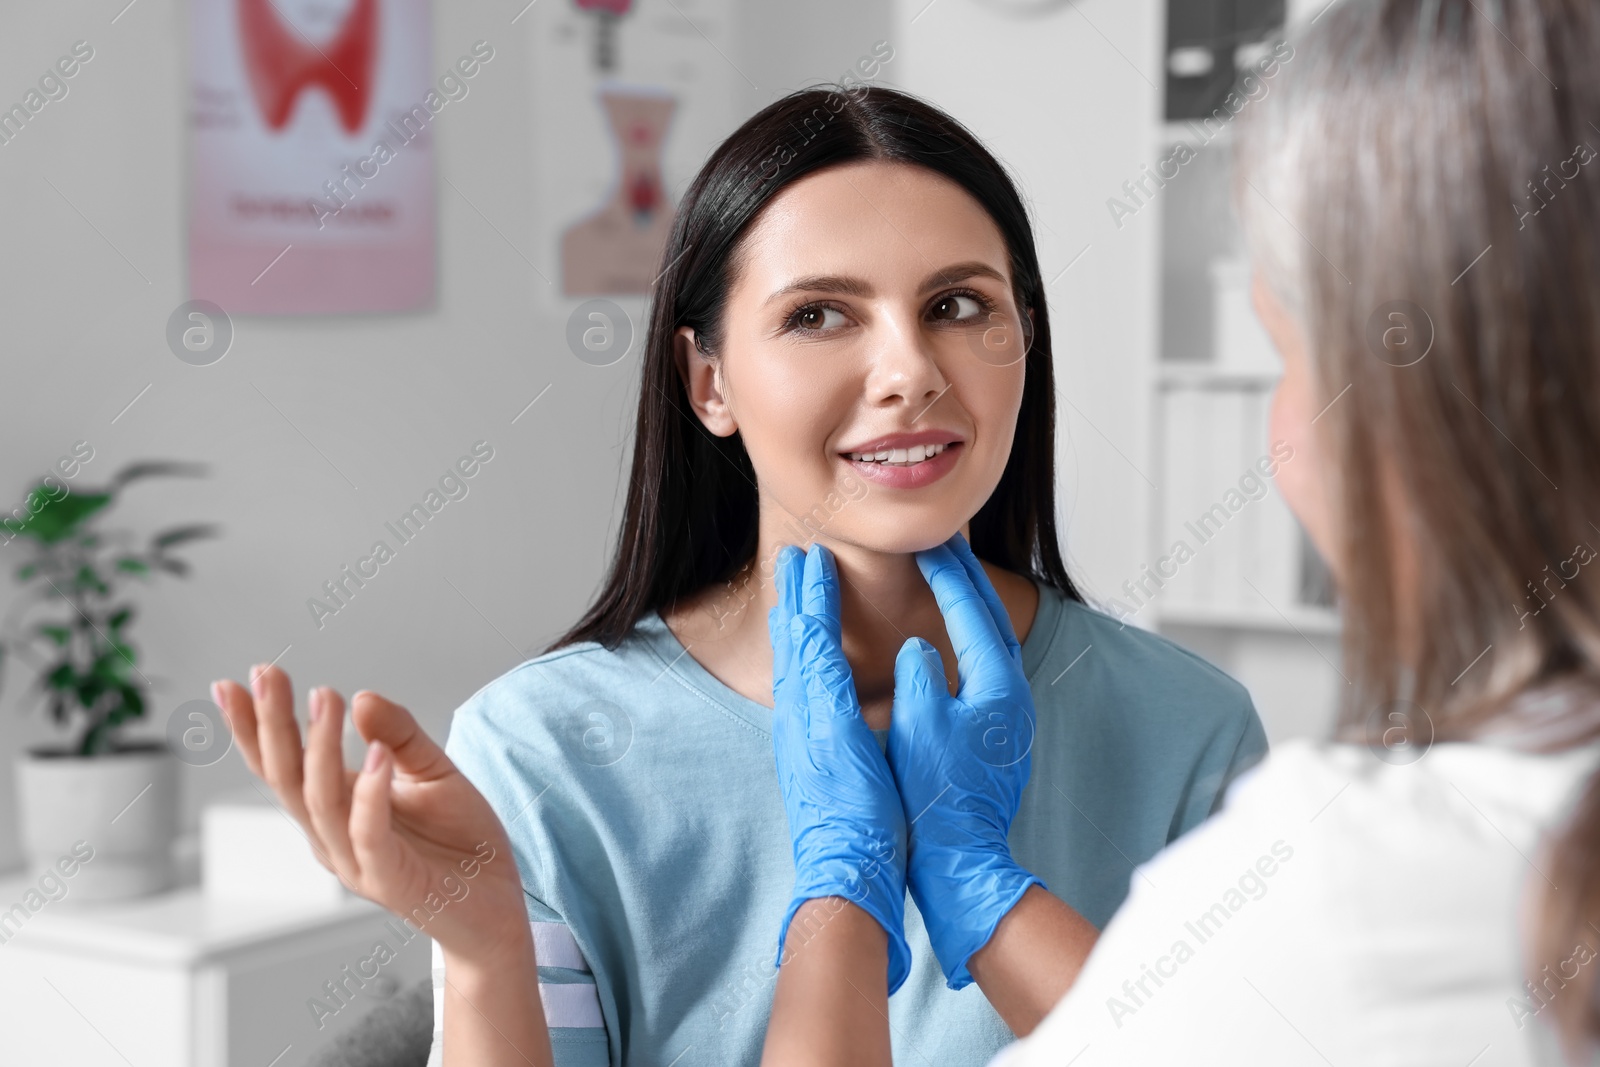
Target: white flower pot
(121, 808)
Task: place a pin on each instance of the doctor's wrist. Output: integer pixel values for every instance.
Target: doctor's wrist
(962, 898)
(878, 890)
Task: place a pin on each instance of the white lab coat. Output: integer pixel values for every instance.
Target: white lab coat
(1339, 911)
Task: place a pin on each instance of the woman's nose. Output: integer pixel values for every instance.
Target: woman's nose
(903, 365)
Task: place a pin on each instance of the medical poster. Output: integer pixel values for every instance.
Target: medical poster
(311, 177)
(616, 249)
(631, 96)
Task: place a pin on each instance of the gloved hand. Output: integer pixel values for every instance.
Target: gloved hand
(845, 817)
(961, 761)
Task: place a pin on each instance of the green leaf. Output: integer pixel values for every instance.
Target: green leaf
(59, 634)
(119, 618)
(90, 689)
(56, 518)
(131, 707)
(26, 571)
(62, 677)
(89, 578)
(110, 669)
(154, 468)
(133, 565)
(180, 534)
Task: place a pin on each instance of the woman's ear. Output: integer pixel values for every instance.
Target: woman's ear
(703, 381)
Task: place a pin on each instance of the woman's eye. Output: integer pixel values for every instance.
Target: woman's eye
(818, 318)
(957, 308)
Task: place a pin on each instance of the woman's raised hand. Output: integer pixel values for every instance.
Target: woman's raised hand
(407, 831)
(961, 761)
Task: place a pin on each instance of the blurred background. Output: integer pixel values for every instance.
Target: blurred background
(207, 264)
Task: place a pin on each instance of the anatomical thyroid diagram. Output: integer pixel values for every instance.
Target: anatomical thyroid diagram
(282, 63)
(311, 155)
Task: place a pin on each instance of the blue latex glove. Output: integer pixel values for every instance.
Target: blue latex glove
(845, 817)
(961, 761)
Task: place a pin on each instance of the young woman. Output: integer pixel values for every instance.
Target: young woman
(848, 346)
(1424, 214)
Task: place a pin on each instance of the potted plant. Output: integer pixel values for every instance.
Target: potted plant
(112, 800)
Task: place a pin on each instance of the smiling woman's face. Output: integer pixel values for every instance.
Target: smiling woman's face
(871, 314)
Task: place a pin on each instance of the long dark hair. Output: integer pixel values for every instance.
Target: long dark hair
(1432, 177)
(691, 513)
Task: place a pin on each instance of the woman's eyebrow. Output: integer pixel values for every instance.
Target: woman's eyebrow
(823, 283)
(848, 286)
(961, 272)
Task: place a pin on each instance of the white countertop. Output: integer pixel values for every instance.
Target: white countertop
(177, 927)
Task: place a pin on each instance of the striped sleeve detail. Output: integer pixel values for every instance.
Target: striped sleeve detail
(554, 946)
(571, 1005)
(567, 992)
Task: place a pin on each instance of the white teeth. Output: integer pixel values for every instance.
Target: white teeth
(902, 457)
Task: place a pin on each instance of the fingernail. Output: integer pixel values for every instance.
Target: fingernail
(255, 678)
(216, 693)
(374, 755)
(314, 702)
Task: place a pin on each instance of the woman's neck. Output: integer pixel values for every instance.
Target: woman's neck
(883, 601)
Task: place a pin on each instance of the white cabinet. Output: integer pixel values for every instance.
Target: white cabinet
(177, 980)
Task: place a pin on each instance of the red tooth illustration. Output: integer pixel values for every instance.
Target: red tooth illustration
(281, 63)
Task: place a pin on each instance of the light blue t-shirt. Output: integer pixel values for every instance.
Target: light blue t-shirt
(641, 799)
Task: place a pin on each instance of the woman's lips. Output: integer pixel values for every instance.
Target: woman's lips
(912, 477)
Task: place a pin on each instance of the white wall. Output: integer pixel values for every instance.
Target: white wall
(1068, 100)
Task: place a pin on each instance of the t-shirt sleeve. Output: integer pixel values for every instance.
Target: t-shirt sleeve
(1236, 750)
(1250, 750)
(489, 744)
(567, 992)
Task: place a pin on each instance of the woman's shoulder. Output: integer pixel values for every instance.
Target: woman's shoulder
(551, 696)
(1131, 666)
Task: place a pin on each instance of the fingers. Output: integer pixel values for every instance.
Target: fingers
(414, 754)
(918, 678)
(278, 736)
(778, 618)
(980, 581)
(820, 588)
(327, 787)
(829, 686)
(778, 634)
(372, 840)
(918, 673)
(982, 658)
(234, 701)
(269, 739)
(790, 580)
